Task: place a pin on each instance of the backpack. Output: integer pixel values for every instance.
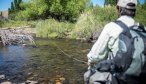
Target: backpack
(131, 60)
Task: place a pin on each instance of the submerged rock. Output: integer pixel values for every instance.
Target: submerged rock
(2, 77)
(7, 82)
(31, 82)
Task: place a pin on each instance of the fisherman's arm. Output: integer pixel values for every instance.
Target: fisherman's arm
(107, 42)
(99, 50)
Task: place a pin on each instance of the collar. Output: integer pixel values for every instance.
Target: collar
(129, 21)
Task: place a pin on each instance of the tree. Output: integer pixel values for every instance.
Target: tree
(9, 10)
(145, 2)
(144, 5)
(58, 9)
(105, 2)
(15, 4)
(12, 6)
(110, 2)
(113, 2)
(138, 2)
(140, 14)
(0, 13)
(74, 8)
(19, 1)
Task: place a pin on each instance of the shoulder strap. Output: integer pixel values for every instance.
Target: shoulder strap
(139, 28)
(142, 28)
(125, 28)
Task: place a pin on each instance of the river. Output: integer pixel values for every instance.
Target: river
(50, 62)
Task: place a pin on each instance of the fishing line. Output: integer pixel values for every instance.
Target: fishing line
(70, 56)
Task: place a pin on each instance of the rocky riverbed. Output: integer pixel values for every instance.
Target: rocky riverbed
(44, 64)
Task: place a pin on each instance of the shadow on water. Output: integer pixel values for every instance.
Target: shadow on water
(45, 64)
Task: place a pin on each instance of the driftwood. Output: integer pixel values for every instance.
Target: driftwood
(15, 36)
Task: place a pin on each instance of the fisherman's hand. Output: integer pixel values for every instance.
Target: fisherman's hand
(104, 66)
(91, 63)
(88, 63)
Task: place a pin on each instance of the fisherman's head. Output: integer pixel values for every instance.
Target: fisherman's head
(127, 7)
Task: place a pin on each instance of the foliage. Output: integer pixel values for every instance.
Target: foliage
(144, 5)
(45, 28)
(141, 14)
(19, 1)
(15, 5)
(25, 13)
(0, 13)
(1, 23)
(62, 10)
(138, 2)
(15, 8)
(12, 6)
(110, 2)
(87, 19)
(113, 2)
(93, 21)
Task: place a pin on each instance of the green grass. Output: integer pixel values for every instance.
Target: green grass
(15, 23)
(53, 29)
(89, 22)
(92, 21)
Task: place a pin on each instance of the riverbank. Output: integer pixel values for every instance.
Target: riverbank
(87, 27)
(22, 29)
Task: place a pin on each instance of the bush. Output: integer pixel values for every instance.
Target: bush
(141, 15)
(53, 29)
(1, 22)
(89, 22)
(92, 21)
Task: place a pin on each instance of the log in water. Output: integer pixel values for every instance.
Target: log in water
(15, 36)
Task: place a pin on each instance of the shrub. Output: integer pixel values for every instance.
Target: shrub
(141, 15)
(1, 22)
(92, 21)
(53, 29)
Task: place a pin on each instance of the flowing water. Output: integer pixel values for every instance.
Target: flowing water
(50, 62)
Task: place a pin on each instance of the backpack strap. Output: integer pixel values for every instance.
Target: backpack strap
(139, 28)
(142, 28)
(121, 57)
(125, 28)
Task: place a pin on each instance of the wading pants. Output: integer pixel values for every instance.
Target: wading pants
(96, 77)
